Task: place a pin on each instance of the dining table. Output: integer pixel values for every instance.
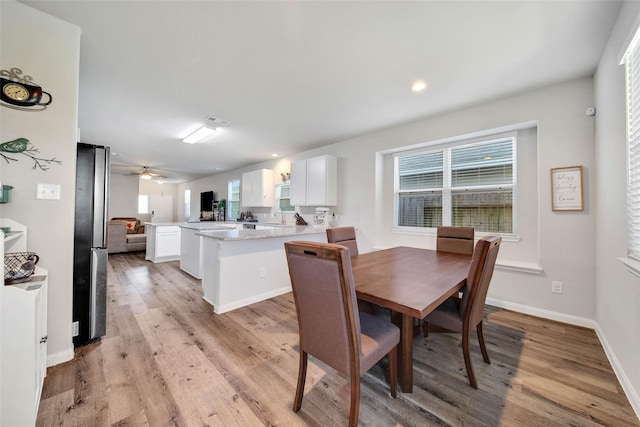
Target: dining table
(411, 283)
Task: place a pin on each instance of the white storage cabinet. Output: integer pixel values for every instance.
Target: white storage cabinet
(163, 242)
(24, 338)
(257, 188)
(314, 182)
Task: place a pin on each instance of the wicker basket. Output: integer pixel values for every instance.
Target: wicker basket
(19, 266)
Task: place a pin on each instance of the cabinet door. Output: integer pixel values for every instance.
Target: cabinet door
(168, 242)
(257, 188)
(247, 190)
(321, 181)
(299, 183)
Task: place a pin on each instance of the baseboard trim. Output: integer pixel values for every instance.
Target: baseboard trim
(629, 390)
(61, 357)
(545, 314)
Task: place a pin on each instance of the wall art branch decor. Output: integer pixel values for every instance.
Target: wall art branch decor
(21, 93)
(23, 147)
(566, 189)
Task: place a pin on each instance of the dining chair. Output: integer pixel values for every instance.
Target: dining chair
(330, 327)
(455, 239)
(462, 314)
(345, 236)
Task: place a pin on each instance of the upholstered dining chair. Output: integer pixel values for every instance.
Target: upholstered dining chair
(345, 236)
(462, 314)
(455, 239)
(330, 327)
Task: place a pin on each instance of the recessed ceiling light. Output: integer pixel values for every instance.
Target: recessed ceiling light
(418, 86)
(274, 155)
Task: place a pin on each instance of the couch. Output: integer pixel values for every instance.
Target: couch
(125, 234)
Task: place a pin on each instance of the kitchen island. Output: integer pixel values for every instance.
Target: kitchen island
(241, 267)
(191, 243)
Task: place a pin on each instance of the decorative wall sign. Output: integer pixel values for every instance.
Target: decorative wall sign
(21, 93)
(566, 189)
(21, 146)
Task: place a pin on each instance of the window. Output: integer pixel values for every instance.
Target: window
(143, 204)
(187, 203)
(631, 60)
(233, 199)
(472, 185)
(283, 196)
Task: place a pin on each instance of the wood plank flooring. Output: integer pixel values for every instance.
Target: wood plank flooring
(168, 360)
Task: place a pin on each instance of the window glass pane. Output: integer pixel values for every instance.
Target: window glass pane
(283, 195)
(632, 68)
(420, 171)
(489, 211)
(143, 204)
(482, 164)
(187, 203)
(233, 202)
(420, 209)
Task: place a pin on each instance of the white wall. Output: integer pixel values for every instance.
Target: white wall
(152, 188)
(123, 196)
(47, 49)
(617, 290)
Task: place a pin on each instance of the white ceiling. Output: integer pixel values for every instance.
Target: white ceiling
(293, 75)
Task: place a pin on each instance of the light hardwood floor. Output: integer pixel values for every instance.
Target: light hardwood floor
(168, 360)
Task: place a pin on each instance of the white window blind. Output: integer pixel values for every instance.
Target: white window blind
(632, 70)
(469, 185)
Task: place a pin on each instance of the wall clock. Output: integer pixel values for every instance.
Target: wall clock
(20, 93)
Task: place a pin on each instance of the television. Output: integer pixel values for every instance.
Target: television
(206, 203)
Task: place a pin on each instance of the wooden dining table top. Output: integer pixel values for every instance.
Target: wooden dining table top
(411, 281)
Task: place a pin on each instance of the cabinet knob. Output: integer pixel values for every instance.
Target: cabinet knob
(44, 339)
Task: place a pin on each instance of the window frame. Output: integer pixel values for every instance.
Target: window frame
(631, 62)
(448, 189)
(230, 200)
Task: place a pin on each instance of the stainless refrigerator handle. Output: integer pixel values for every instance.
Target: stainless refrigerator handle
(101, 196)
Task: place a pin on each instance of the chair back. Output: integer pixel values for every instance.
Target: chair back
(326, 304)
(474, 292)
(455, 239)
(345, 236)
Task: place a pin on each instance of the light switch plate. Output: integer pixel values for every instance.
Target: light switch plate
(48, 191)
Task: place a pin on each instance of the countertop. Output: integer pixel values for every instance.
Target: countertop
(209, 225)
(265, 233)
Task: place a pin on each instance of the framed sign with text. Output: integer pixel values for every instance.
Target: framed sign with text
(566, 189)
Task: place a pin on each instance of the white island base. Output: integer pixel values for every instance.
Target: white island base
(244, 270)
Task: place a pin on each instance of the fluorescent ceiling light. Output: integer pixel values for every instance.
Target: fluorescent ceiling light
(200, 134)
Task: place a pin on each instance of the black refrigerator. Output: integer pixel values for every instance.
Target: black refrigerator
(90, 244)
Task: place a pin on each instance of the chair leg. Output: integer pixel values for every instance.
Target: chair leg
(302, 375)
(467, 359)
(354, 407)
(393, 370)
(483, 348)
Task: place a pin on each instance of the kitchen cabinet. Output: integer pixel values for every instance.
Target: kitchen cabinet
(23, 333)
(314, 182)
(163, 241)
(257, 188)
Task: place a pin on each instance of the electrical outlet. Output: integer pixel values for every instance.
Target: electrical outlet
(556, 287)
(262, 272)
(75, 329)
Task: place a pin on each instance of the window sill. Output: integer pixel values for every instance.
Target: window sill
(506, 237)
(631, 265)
(519, 267)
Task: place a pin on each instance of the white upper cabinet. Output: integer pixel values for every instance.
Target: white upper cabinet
(314, 182)
(257, 188)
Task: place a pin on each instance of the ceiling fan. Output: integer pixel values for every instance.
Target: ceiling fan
(146, 174)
